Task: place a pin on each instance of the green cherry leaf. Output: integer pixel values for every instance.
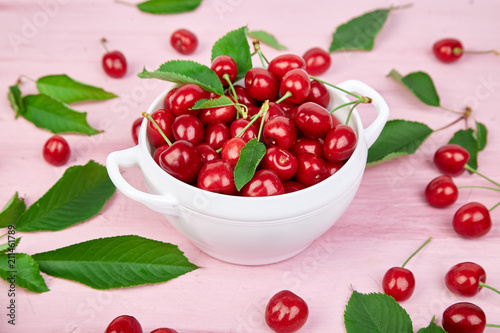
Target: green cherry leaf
(419, 84)
(77, 196)
(20, 269)
(51, 114)
(250, 156)
(116, 262)
(168, 6)
(10, 213)
(467, 139)
(266, 38)
(184, 72)
(398, 138)
(375, 312)
(68, 90)
(15, 99)
(212, 103)
(235, 45)
(481, 135)
(10, 246)
(432, 328)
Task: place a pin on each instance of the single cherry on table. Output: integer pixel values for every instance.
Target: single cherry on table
(124, 324)
(113, 62)
(472, 220)
(317, 60)
(56, 150)
(451, 49)
(184, 41)
(451, 159)
(441, 192)
(464, 317)
(286, 312)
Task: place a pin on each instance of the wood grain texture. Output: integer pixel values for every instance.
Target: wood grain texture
(387, 220)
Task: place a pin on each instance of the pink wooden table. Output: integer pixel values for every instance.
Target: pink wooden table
(386, 222)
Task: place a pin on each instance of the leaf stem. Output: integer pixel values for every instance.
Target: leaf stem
(414, 253)
(450, 124)
(472, 170)
(451, 110)
(155, 124)
(482, 284)
(336, 87)
(477, 186)
(26, 77)
(495, 206)
(391, 8)
(125, 3)
(2, 236)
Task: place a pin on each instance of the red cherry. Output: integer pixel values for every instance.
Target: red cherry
(280, 131)
(333, 167)
(264, 183)
(244, 97)
(136, 125)
(292, 186)
(238, 125)
(124, 324)
(286, 312)
(225, 114)
(56, 150)
(184, 41)
(225, 65)
(441, 192)
(164, 330)
(280, 161)
(464, 317)
(273, 111)
(168, 98)
(113, 62)
(317, 61)
(181, 160)
(217, 176)
(313, 120)
(451, 159)
(207, 153)
(319, 94)
(297, 84)
(231, 149)
(399, 283)
(308, 145)
(280, 65)
(261, 85)
(188, 127)
(185, 97)
(472, 220)
(464, 279)
(448, 50)
(158, 151)
(340, 142)
(164, 119)
(216, 134)
(311, 169)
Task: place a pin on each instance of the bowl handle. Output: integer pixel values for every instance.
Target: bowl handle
(373, 131)
(129, 158)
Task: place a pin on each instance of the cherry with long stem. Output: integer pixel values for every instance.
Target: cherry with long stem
(155, 124)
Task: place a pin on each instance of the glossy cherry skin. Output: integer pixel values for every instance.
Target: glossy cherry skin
(136, 126)
(124, 324)
(264, 183)
(188, 127)
(280, 161)
(464, 317)
(308, 145)
(333, 167)
(231, 149)
(284, 63)
(168, 98)
(311, 169)
(399, 283)
(184, 41)
(463, 279)
(317, 61)
(225, 65)
(313, 120)
(261, 85)
(441, 192)
(472, 220)
(224, 114)
(207, 153)
(158, 151)
(293, 186)
(273, 111)
(181, 160)
(243, 96)
(216, 134)
(164, 330)
(114, 64)
(280, 131)
(286, 312)
(297, 83)
(217, 176)
(451, 159)
(185, 97)
(319, 94)
(340, 143)
(448, 50)
(239, 125)
(164, 119)
(56, 150)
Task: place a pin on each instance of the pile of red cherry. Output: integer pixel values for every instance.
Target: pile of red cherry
(280, 106)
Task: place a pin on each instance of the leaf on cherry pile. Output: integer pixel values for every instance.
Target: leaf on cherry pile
(23, 271)
(212, 103)
(68, 90)
(235, 45)
(49, 113)
(10, 246)
(116, 262)
(15, 99)
(432, 328)
(467, 139)
(420, 84)
(266, 38)
(184, 72)
(398, 138)
(168, 6)
(77, 196)
(250, 156)
(12, 210)
(375, 312)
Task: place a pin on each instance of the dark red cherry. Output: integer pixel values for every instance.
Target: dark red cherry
(297, 84)
(280, 161)
(224, 114)
(216, 134)
(284, 63)
(164, 330)
(261, 85)
(293, 186)
(184, 41)
(340, 143)
(136, 126)
(313, 120)
(311, 169)
(317, 61)
(264, 183)
(286, 312)
(188, 127)
(239, 125)
(280, 131)
(464, 317)
(168, 98)
(185, 97)
(231, 149)
(273, 111)
(243, 96)
(308, 145)
(441, 191)
(56, 150)
(181, 160)
(472, 220)
(333, 167)
(451, 159)
(399, 283)
(225, 65)
(319, 94)
(207, 153)
(158, 151)
(217, 176)
(164, 119)
(124, 324)
(464, 279)
(448, 49)
(113, 62)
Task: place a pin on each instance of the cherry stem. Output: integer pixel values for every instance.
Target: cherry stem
(477, 186)
(450, 124)
(451, 110)
(338, 88)
(414, 253)
(155, 124)
(350, 111)
(256, 46)
(233, 94)
(341, 106)
(263, 109)
(495, 52)
(492, 325)
(472, 170)
(103, 43)
(285, 96)
(482, 284)
(491, 209)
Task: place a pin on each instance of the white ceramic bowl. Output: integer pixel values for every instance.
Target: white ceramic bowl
(252, 231)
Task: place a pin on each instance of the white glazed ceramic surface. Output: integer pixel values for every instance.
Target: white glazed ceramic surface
(252, 231)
